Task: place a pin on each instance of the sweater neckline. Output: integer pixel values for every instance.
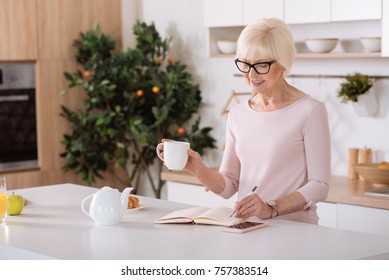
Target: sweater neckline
(278, 110)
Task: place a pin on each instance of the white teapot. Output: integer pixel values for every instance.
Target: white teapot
(108, 206)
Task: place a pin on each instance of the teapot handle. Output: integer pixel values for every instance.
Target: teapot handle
(83, 204)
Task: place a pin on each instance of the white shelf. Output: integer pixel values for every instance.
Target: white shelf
(338, 55)
(318, 55)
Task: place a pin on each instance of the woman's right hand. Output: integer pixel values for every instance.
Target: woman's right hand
(194, 162)
(194, 159)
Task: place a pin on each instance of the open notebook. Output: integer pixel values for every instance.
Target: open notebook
(201, 215)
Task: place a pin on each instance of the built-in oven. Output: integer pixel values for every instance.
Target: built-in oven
(18, 127)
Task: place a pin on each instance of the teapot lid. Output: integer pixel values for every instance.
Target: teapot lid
(106, 188)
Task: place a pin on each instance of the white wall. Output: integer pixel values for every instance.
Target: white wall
(183, 20)
(131, 10)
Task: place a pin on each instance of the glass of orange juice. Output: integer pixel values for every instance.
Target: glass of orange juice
(3, 199)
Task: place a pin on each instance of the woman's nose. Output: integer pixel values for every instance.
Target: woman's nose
(252, 73)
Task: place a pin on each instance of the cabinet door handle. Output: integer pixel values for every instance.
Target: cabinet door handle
(13, 98)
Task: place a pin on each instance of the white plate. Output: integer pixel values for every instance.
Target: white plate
(140, 206)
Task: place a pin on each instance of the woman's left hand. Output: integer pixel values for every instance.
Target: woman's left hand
(252, 205)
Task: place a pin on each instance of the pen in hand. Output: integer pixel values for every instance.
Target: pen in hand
(252, 191)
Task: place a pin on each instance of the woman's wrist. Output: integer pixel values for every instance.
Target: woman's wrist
(274, 211)
(269, 214)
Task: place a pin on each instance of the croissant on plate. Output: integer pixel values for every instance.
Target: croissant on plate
(133, 202)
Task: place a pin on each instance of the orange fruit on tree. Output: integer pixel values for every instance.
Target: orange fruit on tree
(139, 92)
(86, 74)
(156, 89)
(170, 60)
(159, 59)
(180, 130)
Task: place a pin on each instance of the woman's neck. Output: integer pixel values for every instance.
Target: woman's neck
(278, 98)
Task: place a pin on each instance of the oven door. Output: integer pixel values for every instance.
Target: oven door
(18, 132)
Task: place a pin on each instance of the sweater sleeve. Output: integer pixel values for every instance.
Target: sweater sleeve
(230, 166)
(318, 155)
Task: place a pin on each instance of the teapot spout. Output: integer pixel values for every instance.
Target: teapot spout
(124, 196)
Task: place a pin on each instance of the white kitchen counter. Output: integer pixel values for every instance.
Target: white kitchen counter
(52, 225)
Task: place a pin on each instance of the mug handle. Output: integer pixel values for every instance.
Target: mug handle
(83, 205)
(159, 151)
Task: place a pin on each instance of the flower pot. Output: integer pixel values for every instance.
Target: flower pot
(367, 104)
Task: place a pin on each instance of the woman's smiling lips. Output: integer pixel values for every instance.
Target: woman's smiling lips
(256, 82)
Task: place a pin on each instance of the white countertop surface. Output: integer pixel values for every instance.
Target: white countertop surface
(52, 225)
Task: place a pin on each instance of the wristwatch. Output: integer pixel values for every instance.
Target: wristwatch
(273, 205)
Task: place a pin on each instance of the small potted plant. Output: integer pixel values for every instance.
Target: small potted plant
(358, 89)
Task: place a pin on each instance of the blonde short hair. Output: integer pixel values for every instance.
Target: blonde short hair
(270, 39)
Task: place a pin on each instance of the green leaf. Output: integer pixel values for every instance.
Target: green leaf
(68, 76)
(104, 82)
(63, 92)
(100, 121)
(120, 145)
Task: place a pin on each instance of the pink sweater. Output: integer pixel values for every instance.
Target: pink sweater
(279, 151)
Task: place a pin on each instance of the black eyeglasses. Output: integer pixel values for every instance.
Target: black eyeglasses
(260, 67)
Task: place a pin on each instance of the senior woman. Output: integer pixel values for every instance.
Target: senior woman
(278, 141)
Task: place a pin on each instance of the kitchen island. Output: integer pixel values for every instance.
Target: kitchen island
(53, 225)
(342, 190)
(348, 203)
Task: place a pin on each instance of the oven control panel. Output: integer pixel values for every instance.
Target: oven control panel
(17, 76)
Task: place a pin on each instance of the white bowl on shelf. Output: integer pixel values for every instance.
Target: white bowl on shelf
(371, 44)
(321, 45)
(226, 46)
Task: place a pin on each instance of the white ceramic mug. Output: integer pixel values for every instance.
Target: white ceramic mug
(175, 154)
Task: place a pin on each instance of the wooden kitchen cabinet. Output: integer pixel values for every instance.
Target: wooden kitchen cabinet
(56, 35)
(18, 30)
(60, 23)
(53, 25)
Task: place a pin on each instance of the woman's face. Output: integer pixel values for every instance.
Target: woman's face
(264, 83)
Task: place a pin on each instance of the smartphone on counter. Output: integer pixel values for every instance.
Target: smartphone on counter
(245, 227)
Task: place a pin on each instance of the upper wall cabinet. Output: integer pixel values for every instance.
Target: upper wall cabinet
(80, 17)
(344, 10)
(307, 11)
(253, 10)
(221, 13)
(18, 30)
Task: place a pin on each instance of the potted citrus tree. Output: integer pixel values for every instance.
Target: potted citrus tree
(135, 98)
(357, 89)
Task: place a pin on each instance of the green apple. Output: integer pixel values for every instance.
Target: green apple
(15, 204)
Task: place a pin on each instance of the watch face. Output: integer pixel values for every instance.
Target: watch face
(272, 203)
